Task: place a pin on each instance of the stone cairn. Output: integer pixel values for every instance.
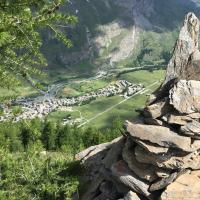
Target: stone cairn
(158, 156)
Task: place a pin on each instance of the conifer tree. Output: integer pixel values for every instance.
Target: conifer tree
(49, 136)
(63, 136)
(21, 22)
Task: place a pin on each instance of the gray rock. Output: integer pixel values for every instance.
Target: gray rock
(125, 176)
(131, 196)
(180, 96)
(108, 191)
(176, 118)
(144, 171)
(170, 160)
(161, 136)
(192, 70)
(114, 152)
(186, 45)
(93, 188)
(157, 109)
(191, 129)
(92, 158)
(164, 182)
(150, 147)
(186, 187)
(152, 121)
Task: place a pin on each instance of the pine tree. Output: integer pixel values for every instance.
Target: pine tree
(63, 136)
(48, 136)
(25, 137)
(20, 41)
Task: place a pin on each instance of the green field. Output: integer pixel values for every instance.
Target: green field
(126, 110)
(20, 91)
(100, 112)
(143, 76)
(77, 89)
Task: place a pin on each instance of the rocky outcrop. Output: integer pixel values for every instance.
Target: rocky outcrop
(186, 46)
(158, 156)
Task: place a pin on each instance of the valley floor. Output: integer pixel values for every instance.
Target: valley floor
(100, 112)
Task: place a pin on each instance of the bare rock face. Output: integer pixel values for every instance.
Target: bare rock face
(158, 157)
(186, 45)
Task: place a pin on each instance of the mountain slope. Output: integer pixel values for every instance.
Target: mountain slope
(115, 33)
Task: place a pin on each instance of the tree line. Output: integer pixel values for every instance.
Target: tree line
(37, 158)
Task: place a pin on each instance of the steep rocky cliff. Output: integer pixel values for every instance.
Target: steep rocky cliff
(158, 156)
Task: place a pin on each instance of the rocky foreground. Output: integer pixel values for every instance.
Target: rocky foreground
(158, 156)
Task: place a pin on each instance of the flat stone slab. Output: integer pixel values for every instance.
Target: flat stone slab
(169, 160)
(159, 135)
(180, 119)
(164, 182)
(152, 121)
(150, 147)
(157, 109)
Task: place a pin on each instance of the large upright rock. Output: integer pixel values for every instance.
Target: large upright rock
(186, 46)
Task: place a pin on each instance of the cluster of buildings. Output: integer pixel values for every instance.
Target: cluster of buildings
(41, 106)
